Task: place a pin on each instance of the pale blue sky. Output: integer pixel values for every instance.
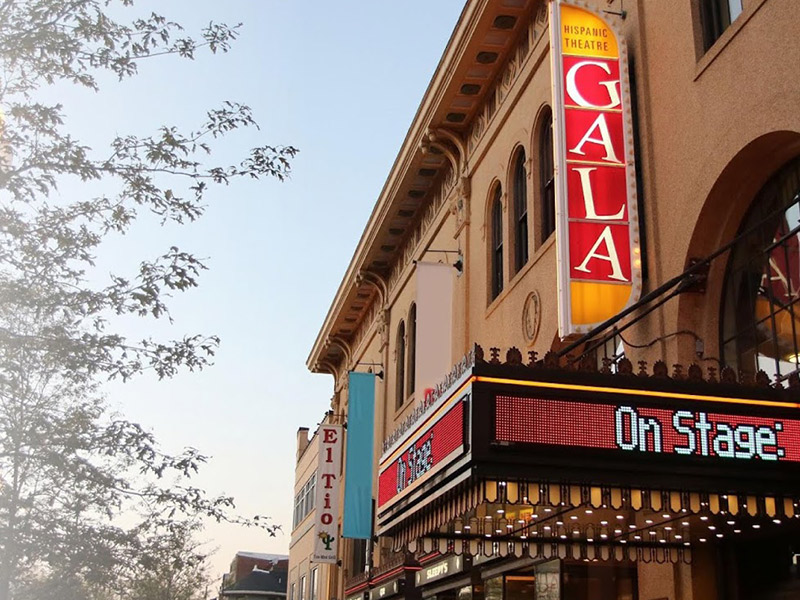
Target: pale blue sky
(339, 80)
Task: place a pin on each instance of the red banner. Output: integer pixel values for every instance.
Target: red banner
(627, 428)
(430, 449)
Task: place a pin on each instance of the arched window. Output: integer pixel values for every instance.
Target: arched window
(520, 212)
(412, 351)
(400, 365)
(496, 258)
(547, 177)
(760, 324)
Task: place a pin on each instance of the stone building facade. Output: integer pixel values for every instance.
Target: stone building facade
(714, 87)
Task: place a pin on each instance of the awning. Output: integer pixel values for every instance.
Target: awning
(541, 520)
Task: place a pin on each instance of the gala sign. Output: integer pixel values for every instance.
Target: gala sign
(599, 256)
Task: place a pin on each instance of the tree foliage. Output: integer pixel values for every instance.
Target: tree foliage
(47, 243)
(70, 470)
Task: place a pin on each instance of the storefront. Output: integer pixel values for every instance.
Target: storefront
(536, 482)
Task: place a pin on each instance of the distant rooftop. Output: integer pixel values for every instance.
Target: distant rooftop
(262, 556)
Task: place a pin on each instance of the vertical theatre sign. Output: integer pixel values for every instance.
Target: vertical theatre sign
(599, 257)
(326, 507)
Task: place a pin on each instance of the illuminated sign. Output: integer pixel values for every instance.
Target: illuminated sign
(452, 565)
(599, 257)
(434, 444)
(625, 427)
(387, 590)
(326, 505)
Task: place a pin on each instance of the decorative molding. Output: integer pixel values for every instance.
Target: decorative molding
(422, 226)
(368, 277)
(343, 346)
(508, 77)
(624, 368)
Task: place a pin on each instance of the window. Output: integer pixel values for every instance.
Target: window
(412, 351)
(358, 556)
(302, 588)
(304, 500)
(311, 491)
(547, 177)
(400, 358)
(292, 595)
(496, 259)
(520, 212)
(717, 16)
(312, 591)
(760, 325)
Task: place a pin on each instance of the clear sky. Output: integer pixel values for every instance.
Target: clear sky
(341, 81)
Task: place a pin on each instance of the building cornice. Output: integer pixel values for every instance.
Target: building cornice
(405, 186)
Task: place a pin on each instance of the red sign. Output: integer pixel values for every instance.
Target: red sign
(431, 449)
(627, 428)
(598, 247)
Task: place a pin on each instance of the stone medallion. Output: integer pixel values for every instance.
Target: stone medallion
(531, 317)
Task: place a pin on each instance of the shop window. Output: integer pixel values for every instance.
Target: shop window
(542, 582)
(496, 259)
(493, 588)
(716, 17)
(400, 359)
(520, 188)
(412, 351)
(313, 583)
(587, 582)
(547, 191)
(358, 558)
(760, 325)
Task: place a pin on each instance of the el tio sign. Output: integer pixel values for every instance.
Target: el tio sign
(326, 505)
(599, 257)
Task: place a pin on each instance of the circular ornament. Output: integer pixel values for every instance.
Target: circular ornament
(531, 317)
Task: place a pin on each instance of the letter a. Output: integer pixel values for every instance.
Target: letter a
(612, 257)
(604, 139)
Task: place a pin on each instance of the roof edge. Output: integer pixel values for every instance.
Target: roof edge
(469, 16)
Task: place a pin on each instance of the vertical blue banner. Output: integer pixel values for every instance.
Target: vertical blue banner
(358, 463)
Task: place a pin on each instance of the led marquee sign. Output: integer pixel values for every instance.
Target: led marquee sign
(599, 258)
(625, 427)
(437, 441)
